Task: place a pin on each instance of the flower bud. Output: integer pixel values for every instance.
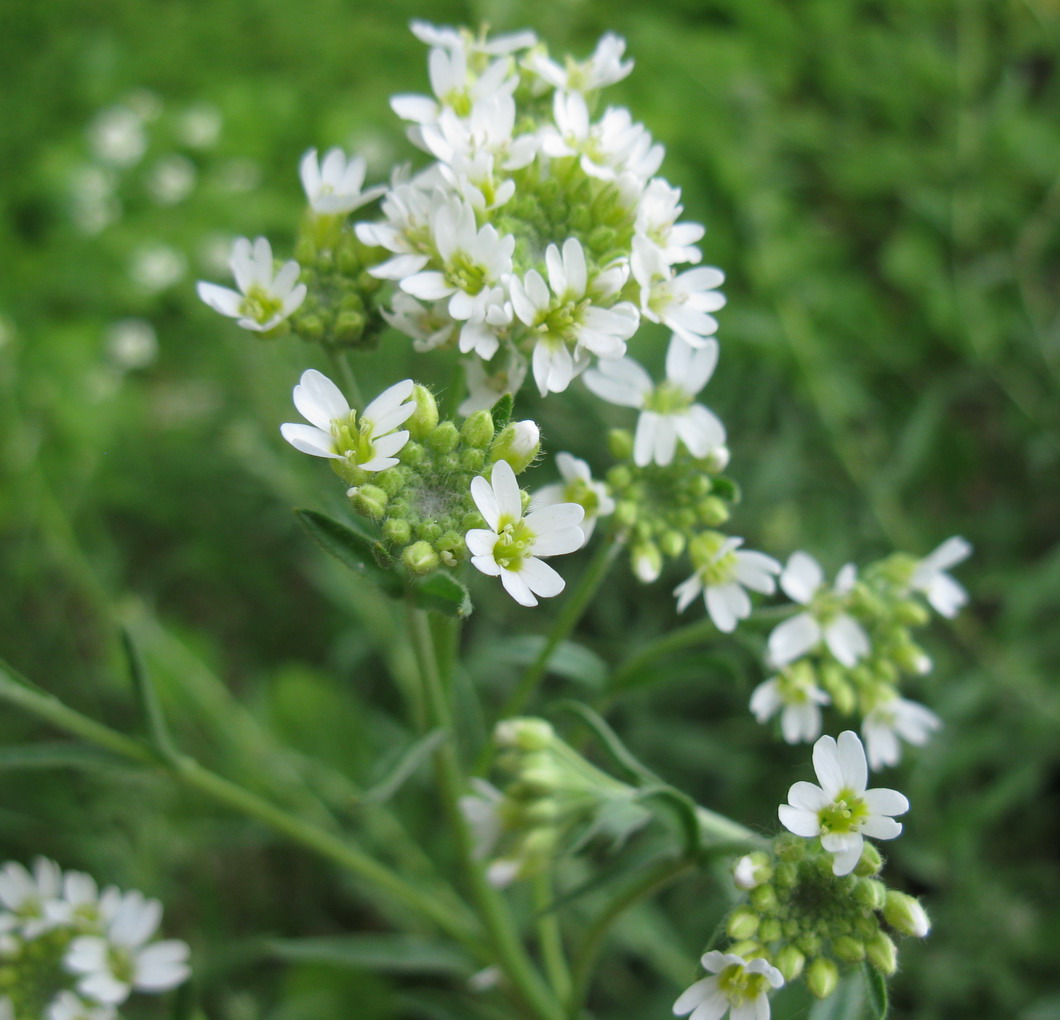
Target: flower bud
(420, 558)
(822, 976)
(905, 914)
(713, 512)
(882, 954)
(848, 949)
(869, 863)
(477, 430)
(368, 500)
(870, 893)
(764, 898)
(620, 442)
(646, 561)
(626, 513)
(743, 923)
(770, 930)
(717, 460)
(748, 949)
(672, 544)
(519, 444)
(397, 532)
(527, 734)
(425, 417)
(443, 438)
(789, 961)
(752, 869)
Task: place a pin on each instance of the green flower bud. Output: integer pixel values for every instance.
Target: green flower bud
(646, 561)
(770, 930)
(310, 327)
(752, 870)
(620, 478)
(869, 863)
(425, 417)
(443, 437)
(472, 460)
(882, 954)
(620, 442)
(713, 512)
(790, 962)
(822, 976)
(349, 327)
(911, 613)
(672, 544)
(477, 430)
(392, 480)
(849, 949)
(397, 532)
(519, 444)
(787, 875)
(905, 914)
(870, 893)
(368, 500)
(717, 460)
(764, 898)
(412, 454)
(527, 734)
(809, 943)
(420, 558)
(743, 923)
(748, 949)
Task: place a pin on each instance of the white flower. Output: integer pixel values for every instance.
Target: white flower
(825, 619)
(264, 299)
(481, 814)
(461, 39)
(406, 226)
(723, 572)
(657, 213)
(511, 548)
(28, 896)
(929, 576)
(841, 811)
(429, 326)
(736, 986)
(81, 906)
(336, 433)
(567, 327)
(893, 719)
(109, 967)
(578, 487)
(334, 186)
(68, 1006)
(485, 386)
(603, 68)
(799, 701)
(681, 302)
(455, 86)
(668, 411)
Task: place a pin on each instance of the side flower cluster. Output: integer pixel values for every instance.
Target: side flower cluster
(850, 645)
(69, 950)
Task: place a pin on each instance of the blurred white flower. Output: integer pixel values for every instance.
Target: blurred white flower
(723, 573)
(199, 126)
(117, 136)
(156, 267)
(603, 68)
(335, 186)
(798, 699)
(577, 486)
(684, 301)
(929, 576)
(892, 721)
(265, 297)
(171, 179)
(26, 896)
(131, 343)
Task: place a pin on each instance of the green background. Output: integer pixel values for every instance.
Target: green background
(879, 182)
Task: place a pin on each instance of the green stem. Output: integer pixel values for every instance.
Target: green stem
(550, 937)
(510, 952)
(653, 880)
(378, 878)
(573, 608)
(340, 362)
(673, 641)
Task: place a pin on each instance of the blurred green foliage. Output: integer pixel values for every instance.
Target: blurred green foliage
(880, 183)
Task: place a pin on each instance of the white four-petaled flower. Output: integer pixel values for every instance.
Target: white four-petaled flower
(578, 486)
(825, 618)
(265, 298)
(798, 699)
(335, 185)
(668, 411)
(891, 721)
(736, 986)
(369, 443)
(723, 572)
(841, 811)
(929, 576)
(511, 545)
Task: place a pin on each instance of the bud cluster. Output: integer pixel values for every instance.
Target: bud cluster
(553, 800)
(809, 922)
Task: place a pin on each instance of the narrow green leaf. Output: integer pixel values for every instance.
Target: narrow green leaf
(683, 808)
(387, 953)
(620, 754)
(568, 659)
(355, 548)
(55, 755)
(502, 411)
(878, 1000)
(150, 706)
(443, 593)
(408, 761)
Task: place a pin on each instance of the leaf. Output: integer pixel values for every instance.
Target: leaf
(620, 754)
(443, 593)
(876, 993)
(388, 953)
(406, 765)
(725, 488)
(147, 696)
(568, 659)
(355, 548)
(501, 411)
(54, 755)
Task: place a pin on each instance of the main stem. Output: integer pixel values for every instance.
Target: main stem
(510, 951)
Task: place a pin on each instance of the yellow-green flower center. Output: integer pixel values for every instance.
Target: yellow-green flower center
(260, 305)
(515, 541)
(741, 985)
(581, 492)
(353, 440)
(845, 814)
(667, 398)
(464, 274)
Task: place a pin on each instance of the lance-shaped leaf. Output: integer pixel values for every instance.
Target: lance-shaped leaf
(356, 549)
(406, 764)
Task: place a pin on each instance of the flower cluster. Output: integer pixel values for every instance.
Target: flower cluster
(850, 645)
(554, 799)
(70, 951)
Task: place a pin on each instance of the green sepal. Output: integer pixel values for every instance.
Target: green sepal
(501, 411)
(404, 767)
(876, 996)
(157, 727)
(388, 953)
(443, 593)
(725, 488)
(356, 548)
